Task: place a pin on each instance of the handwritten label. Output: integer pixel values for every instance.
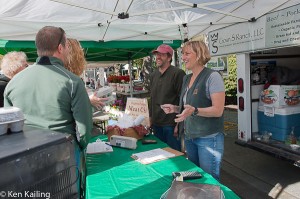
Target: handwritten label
(136, 107)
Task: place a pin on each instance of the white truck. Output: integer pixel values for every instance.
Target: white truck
(268, 80)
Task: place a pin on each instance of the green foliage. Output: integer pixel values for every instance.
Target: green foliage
(138, 63)
(231, 80)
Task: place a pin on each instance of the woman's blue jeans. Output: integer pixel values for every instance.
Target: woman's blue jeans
(207, 153)
(166, 134)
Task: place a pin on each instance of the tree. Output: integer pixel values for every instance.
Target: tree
(231, 81)
(148, 69)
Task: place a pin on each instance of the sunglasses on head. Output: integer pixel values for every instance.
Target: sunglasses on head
(61, 35)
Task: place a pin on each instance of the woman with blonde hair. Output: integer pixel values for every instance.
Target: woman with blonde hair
(76, 63)
(201, 109)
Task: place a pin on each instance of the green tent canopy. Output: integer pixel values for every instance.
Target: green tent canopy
(96, 51)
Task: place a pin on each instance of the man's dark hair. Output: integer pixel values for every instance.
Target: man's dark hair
(48, 39)
(170, 56)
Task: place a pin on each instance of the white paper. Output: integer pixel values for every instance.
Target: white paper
(139, 120)
(98, 147)
(269, 111)
(152, 156)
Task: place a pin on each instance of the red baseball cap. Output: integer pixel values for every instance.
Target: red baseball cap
(164, 48)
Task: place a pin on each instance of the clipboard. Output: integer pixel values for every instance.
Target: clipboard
(155, 155)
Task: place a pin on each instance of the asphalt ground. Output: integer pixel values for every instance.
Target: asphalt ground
(253, 174)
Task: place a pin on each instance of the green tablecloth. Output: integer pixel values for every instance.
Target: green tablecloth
(117, 175)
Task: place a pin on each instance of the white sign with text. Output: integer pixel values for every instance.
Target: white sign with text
(283, 27)
(241, 37)
(136, 107)
(277, 29)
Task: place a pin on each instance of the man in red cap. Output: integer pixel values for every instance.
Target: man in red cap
(165, 85)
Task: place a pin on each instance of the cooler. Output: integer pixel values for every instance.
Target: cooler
(279, 121)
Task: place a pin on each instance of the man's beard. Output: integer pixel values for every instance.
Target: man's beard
(161, 65)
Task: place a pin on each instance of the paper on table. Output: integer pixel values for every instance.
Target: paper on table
(98, 147)
(152, 156)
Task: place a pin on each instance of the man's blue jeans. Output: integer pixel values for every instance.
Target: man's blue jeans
(165, 134)
(207, 153)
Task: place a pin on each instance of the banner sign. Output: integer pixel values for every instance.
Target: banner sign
(283, 27)
(275, 29)
(237, 38)
(136, 107)
(219, 64)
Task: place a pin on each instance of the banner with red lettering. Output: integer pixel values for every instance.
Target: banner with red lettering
(136, 107)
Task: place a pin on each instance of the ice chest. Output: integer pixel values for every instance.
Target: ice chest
(279, 121)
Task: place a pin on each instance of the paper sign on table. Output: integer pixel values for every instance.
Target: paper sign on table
(154, 155)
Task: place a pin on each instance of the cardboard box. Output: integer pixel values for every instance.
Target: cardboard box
(280, 96)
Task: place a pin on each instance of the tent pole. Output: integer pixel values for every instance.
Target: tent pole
(179, 57)
(84, 78)
(130, 74)
(95, 84)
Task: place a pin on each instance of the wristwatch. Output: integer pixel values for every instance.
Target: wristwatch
(195, 112)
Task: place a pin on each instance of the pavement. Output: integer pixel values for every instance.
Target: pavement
(253, 174)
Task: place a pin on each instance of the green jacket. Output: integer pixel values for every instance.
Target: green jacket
(51, 97)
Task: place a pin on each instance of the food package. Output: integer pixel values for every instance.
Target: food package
(280, 96)
(11, 117)
(106, 92)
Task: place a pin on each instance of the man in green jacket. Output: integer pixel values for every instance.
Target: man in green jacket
(50, 96)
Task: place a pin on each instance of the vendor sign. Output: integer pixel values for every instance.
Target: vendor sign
(219, 64)
(276, 29)
(283, 27)
(136, 107)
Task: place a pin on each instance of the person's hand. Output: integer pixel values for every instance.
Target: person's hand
(188, 111)
(97, 102)
(168, 108)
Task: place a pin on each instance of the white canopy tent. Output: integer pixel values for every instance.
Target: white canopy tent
(139, 20)
(110, 26)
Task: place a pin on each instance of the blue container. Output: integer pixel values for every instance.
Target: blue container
(279, 121)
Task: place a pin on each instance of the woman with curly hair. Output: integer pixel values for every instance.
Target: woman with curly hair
(76, 63)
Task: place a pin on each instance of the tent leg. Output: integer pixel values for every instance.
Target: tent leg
(130, 75)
